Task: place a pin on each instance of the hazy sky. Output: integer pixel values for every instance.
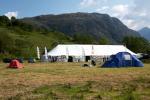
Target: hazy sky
(134, 13)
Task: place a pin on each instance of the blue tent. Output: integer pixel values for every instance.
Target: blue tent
(123, 59)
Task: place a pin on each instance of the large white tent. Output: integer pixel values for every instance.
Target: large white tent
(87, 50)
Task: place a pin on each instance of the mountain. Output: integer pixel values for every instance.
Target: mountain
(20, 37)
(94, 25)
(145, 32)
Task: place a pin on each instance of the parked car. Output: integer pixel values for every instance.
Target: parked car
(7, 60)
(21, 60)
(31, 60)
(143, 56)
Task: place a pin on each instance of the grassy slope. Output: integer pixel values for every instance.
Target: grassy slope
(33, 39)
(43, 81)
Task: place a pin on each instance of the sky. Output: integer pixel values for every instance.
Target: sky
(133, 13)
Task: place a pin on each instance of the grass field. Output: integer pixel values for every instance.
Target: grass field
(70, 81)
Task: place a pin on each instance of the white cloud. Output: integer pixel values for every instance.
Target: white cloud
(120, 10)
(124, 13)
(143, 14)
(88, 3)
(92, 3)
(105, 0)
(102, 9)
(135, 15)
(130, 23)
(11, 14)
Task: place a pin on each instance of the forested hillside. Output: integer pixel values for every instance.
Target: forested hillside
(20, 39)
(95, 25)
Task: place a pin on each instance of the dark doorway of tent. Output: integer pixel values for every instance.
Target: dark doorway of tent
(70, 59)
(87, 58)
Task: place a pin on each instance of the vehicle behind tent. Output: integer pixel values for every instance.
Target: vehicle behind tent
(123, 59)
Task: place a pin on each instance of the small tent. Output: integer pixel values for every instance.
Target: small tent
(15, 64)
(123, 59)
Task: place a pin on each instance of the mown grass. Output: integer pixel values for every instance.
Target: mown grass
(70, 81)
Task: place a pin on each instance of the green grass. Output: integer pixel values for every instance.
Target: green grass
(20, 43)
(70, 81)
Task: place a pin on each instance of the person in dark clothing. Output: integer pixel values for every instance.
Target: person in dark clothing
(93, 63)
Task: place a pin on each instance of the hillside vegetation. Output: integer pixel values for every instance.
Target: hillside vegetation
(20, 39)
(95, 25)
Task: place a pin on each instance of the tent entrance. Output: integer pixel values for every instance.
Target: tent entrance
(87, 58)
(70, 59)
(127, 60)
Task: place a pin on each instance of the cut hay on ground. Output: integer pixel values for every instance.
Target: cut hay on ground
(50, 81)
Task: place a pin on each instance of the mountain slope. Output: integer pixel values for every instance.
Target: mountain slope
(93, 24)
(18, 39)
(145, 32)
(12, 42)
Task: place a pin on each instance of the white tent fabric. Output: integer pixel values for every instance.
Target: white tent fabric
(89, 50)
(46, 53)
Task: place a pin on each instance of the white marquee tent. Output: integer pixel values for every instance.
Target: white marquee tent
(87, 50)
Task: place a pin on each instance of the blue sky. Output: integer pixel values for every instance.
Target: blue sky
(26, 8)
(133, 13)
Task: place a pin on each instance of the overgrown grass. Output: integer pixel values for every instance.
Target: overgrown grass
(70, 81)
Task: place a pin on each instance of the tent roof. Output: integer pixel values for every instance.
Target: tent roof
(88, 50)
